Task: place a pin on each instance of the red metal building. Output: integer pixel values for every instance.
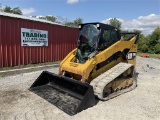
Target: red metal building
(61, 40)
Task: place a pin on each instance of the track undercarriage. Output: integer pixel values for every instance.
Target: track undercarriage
(119, 79)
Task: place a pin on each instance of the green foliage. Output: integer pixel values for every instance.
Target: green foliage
(115, 22)
(142, 43)
(75, 23)
(128, 36)
(49, 18)
(144, 48)
(154, 41)
(157, 48)
(15, 10)
(7, 9)
(150, 43)
(138, 31)
(78, 21)
(71, 24)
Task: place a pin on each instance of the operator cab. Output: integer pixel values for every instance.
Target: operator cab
(94, 37)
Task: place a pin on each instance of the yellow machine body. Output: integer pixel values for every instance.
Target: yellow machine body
(102, 66)
(87, 71)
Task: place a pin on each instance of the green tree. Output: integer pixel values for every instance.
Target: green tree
(157, 48)
(78, 21)
(137, 31)
(7, 9)
(154, 41)
(75, 23)
(70, 24)
(16, 10)
(142, 43)
(115, 22)
(50, 18)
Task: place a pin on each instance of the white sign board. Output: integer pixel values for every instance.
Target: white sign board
(33, 37)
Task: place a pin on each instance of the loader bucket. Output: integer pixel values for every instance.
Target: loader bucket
(67, 94)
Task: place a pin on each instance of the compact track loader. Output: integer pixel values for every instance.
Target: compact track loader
(102, 66)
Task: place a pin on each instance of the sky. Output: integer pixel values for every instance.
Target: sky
(143, 15)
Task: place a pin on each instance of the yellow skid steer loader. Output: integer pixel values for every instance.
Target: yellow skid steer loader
(102, 66)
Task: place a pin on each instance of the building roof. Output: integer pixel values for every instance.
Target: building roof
(28, 18)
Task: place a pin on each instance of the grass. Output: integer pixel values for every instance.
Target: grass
(150, 55)
(29, 65)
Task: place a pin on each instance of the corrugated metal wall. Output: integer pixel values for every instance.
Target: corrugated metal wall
(61, 40)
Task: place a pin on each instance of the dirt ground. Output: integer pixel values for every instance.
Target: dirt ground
(143, 103)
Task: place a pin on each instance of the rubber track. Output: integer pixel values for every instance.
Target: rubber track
(101, 81)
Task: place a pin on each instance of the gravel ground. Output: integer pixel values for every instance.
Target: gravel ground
(143, 103)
